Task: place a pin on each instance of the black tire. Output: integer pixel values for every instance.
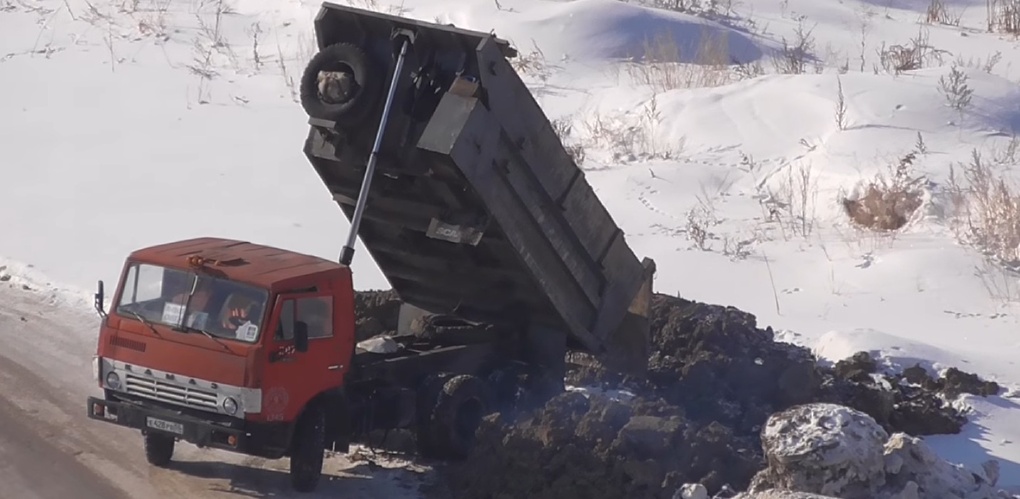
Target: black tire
(463, 402)
(159, 449)
(307, 450)
(452, 330)
(352, 60)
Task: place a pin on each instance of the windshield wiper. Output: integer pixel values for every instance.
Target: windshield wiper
(211, 336)
(145, 321)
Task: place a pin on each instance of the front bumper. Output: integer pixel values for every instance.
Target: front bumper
(190, 429)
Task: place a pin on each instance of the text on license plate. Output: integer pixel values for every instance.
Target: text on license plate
(160, 424)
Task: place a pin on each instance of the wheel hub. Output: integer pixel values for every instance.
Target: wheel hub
(337, 87)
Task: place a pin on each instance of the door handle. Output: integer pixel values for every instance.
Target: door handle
(334, 367)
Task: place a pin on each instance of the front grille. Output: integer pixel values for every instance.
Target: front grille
(166, 392)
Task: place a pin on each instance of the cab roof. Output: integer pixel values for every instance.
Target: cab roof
(243, 261)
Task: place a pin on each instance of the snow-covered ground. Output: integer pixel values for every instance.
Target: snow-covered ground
(128, 123)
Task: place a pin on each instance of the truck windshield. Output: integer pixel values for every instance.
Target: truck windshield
(218, 307)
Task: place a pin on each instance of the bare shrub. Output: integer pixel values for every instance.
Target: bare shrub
(864, 19)
(920, 146)
(805, 193)
(255, 31)
(564, 130)
(1003, 16)
(955, 89)
(793, 59)
(887, 204)
(916, 54)
(152, 21)
(840, 111)
(533, 63)
(987, 204)
(1000, 282)
(938, 13)
(698, 221)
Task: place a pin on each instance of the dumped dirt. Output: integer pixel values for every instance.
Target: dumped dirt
(377, 312)
(714, 379)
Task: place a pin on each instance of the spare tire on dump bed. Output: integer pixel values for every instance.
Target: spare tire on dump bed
(341, 84)
(443, 329)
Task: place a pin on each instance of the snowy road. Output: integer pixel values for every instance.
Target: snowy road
(50, 449)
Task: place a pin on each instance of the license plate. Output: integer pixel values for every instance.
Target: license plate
(160, 424)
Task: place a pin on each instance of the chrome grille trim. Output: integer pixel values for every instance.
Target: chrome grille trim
(178, 389)
(172, 393)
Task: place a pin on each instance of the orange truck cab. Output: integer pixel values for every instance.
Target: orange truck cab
(223, 344)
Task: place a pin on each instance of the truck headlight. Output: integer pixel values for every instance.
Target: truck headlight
(113, 381)
(230, 406)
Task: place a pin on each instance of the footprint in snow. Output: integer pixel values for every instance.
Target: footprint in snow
(790, 291)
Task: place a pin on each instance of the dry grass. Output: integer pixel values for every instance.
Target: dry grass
(630, 136)
(916, 54)
(987, 204)
(987, 64)
(887, 203)
(703, 8)
(662, 64)
(792, 202)
(564, 130)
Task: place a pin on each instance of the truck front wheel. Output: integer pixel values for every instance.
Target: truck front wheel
(308, 447)
(159, 448)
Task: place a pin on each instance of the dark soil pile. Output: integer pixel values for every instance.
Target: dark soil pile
(377, 312)
(714, 378)
(908, 401)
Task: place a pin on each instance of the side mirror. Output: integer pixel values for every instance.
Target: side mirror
(301, 336)
(100, 300)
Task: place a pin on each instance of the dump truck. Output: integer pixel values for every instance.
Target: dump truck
(446, 168)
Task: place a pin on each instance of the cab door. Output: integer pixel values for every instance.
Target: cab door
(292, 378)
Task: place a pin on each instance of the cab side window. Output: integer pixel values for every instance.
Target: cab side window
(316, 312)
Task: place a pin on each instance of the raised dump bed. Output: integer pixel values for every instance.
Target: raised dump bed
(475, 207)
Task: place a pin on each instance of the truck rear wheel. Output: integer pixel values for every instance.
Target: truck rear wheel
(340, 84)
(463, 402)
(428, 395)
(159, 448)
(308, 447)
